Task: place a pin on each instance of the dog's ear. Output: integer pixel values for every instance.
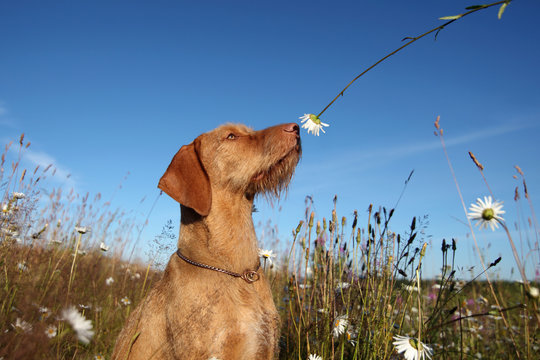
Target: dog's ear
(186, 180)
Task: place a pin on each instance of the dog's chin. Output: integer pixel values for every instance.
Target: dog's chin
(274, 180)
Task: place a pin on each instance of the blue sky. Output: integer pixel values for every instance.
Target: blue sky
(103, 88)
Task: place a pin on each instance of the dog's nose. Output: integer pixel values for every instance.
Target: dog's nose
(292, 127)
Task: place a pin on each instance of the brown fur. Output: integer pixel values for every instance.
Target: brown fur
(196, 313)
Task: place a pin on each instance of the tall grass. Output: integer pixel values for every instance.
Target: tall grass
(345, 287)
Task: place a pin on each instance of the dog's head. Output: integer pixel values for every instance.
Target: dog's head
(232, 158)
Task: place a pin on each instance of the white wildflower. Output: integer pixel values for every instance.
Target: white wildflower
(313, 124)
(51, 331)
(340, 325)
(18, 195)
(103, 247)
(314, 357)
(486, 213)
(412, 348)
(81, 229)
(23, 325)
(267, 255)
(125, 301)
(82, 327)
(109, 281)
(342, 286)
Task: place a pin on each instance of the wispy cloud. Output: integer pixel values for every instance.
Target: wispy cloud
(5, 120)
(391, 153)
(30, 159)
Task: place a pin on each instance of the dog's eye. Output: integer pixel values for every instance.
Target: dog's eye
(231, 136)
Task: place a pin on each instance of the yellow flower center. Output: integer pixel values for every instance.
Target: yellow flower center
(315, 119)
(488, 214)
(417, 345)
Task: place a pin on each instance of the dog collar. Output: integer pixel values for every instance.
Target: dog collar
(249, 276)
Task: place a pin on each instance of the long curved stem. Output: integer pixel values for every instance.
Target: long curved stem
(411, 40)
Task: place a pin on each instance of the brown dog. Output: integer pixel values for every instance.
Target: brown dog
(213, 299)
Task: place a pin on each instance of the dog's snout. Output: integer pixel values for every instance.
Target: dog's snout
(292, 127)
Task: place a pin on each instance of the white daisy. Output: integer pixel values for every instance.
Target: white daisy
(136, 276)
(103, 247)
(81, 229)
(312, 123)
(340, 325)
(51, 331)
(18, 195)
(45, 312)
(412, 348)
(486, 212)
(314, 357)
(125, 301)
(78, 322)
(267, 254)
(99, 357)
(23, 325)
(22, 266)
(410, 288)
(109, 281)
(342, 286)
(534, 292)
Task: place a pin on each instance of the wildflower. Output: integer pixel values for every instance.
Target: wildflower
(267, 255)
(51, 331)
(412, 348)
(18, 195)
(482, 300)
(85, 307)
(312, 123)
(533, 292)
(22, 266)
(99, 357)
(109, 281)
(81, 229)
(5, 208)
(314, 357)
(340, 324)
(342, 286)
(486, 213)
(103, 247)
(410, 288)
(136, 276)
(125, 301)
(351, 335)
(23, 325)
(45, 313)
(82, 327)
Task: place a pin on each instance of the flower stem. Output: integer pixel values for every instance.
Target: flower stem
(411, 40)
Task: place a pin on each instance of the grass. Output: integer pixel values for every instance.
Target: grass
(344, 288)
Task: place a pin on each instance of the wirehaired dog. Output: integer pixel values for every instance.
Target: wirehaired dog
(213, 299)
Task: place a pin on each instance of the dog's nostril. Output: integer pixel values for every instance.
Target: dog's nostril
(292, 127)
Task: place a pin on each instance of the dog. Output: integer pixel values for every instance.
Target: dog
(213, 300)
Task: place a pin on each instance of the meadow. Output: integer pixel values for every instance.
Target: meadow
(346, 288)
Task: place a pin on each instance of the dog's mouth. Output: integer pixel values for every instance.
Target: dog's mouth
(278, 175)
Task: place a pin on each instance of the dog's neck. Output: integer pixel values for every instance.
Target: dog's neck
(214, 240)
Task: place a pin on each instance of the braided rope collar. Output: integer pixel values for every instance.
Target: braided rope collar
(248, 276)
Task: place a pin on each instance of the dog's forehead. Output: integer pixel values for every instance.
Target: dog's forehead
(237, 129)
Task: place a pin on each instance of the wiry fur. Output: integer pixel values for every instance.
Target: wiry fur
(195, 313)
